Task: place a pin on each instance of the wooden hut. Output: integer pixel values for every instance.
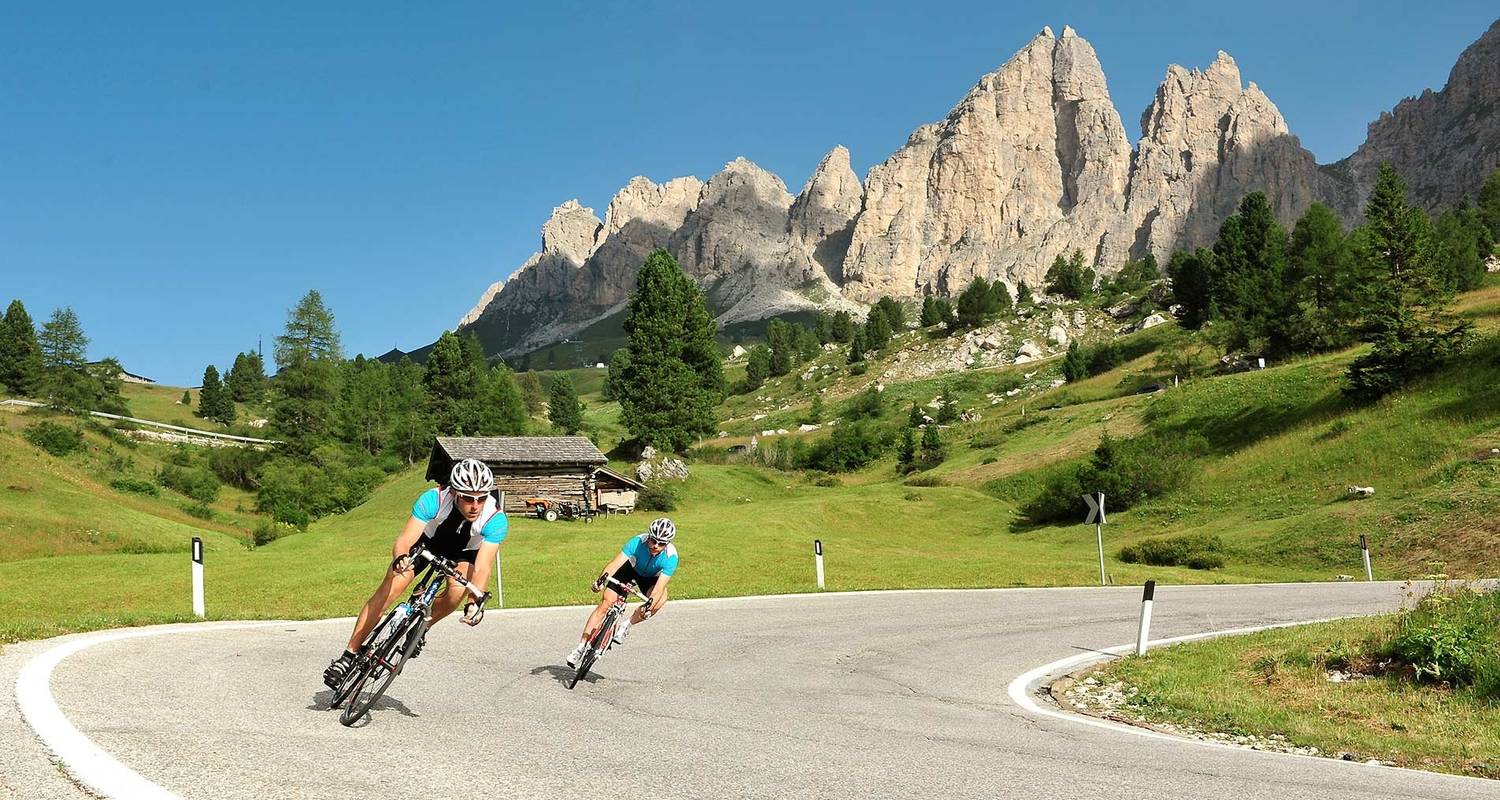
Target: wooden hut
(564, 468)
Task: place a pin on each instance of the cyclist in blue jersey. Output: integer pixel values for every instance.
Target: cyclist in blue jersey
(648, 561)
(460, 522)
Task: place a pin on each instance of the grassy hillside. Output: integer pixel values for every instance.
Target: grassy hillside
(1282, 445)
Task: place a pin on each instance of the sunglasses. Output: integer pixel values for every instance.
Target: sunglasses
(473, 498)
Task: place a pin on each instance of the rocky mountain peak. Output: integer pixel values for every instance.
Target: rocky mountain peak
(570, 231)
(821, 219)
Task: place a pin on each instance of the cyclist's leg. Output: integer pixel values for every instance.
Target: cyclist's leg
(454, 595)
(390, 588)
(597, 616)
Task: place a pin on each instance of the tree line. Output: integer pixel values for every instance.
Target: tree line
(51, 364)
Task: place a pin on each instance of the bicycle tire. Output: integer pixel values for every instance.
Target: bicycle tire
(400, 648)
(596, 646)
(362, 664)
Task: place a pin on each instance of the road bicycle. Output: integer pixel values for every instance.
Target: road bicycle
(603, 637)
(399, 634)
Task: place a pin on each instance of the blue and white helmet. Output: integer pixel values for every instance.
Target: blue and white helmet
(662, 530)
(471, 476)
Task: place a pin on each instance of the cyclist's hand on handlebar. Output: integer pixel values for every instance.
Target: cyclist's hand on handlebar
(402, 564)
(474, 611)
(599, 582)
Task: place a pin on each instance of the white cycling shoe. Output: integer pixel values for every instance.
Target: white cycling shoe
(620, 631)
(576, 654)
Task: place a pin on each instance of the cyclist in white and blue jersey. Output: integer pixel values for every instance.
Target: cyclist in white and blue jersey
(460, 522)
(649, 561)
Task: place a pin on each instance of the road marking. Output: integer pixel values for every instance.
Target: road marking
(84, 760)
(1020, 694)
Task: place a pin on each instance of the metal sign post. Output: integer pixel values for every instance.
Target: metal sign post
(818, 559)
(1096, 517)
(198, 610)
(499, 582)
(1364, 548)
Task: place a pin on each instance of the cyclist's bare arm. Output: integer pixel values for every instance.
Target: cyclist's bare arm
(484, 564)
(614, 564)
(659, 592)
(409, 536)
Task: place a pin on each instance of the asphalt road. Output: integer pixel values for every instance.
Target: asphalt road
(830, 696)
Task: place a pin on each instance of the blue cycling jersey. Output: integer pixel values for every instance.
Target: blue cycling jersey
(647, 565)
(427, 506)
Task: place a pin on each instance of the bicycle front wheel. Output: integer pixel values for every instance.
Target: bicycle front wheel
(597, 644)
(384, 665)
(377, 638)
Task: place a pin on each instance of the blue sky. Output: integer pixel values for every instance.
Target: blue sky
(180, 174)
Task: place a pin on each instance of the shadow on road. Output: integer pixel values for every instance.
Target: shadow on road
(1095, 651)
(562, 674)
(321, 700)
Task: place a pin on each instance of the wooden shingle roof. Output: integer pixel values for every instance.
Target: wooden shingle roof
(522, 449)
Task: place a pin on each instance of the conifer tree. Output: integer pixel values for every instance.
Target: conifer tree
(409, 430)
(757, 367)
(1023, 294)
(842, 326)
(948, 409)
(531, 386)
(933, 450)
(895, 313)
(857, 346)
(452, 388)
(877, 329)
(906, 451)
(929, 312)
(563, 408)
(214, 402)
(20, 356)
(619, 363)
(1074, 366)
(247, 378)
(65, 382)
(305, 390)
(675, 378)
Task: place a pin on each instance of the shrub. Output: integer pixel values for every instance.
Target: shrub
(1104, 358)
(1451, 636)
(657, 497)
(195, 482)
(269, 531)
(237, 466)
(135, 486)
(848, 448)
(827, 481)
(298, 490)
(199, 510)
(1194, 550)
(59, 440)
(1128, 472)
(858, 369)
(924, 480)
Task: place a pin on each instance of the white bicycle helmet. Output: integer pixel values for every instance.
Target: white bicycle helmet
(662, 530)
(471, 476)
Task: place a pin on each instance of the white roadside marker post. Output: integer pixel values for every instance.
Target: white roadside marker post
(818, 559)
(1364, 548)
(1145, 630)
(198, 577)
(1096, 518)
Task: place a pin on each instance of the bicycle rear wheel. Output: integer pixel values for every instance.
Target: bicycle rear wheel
(597, 644)
(384, 665)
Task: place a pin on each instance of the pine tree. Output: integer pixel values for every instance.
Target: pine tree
(1489, 205)
(929, 312)
(501, 409)
(781, 339)
(906, 452)
(947, 412)
(214, 401)
(877, 329)
(1319, 252)
(20, 355)
(975, 304)
(1407, 299)
(1192, 285)
(823, 327)
(1461, 243)
(857, 347)
(531, 386)
(815, 412)
(619, 363)
(409, 430)
(563, 408)
(65, 382)
(364, 404)
(933, 450)
(246, 381)
(843, 326)
(675, 377)
(305, 390)
(187, 399)
(1023, 294)
(452, 388)
(1068, 277)
(916, 416)
(1074, 366)
(757, 367)
(895, 313)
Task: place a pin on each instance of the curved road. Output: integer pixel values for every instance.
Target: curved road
(899, 694)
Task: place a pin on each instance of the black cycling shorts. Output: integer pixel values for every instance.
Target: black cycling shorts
(626, 575)
(452, 549)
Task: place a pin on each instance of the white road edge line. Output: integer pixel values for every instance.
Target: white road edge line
(1020, 694)
(79, 756)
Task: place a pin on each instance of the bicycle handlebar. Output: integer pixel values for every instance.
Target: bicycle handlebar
(629, 589)
(448, 570)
